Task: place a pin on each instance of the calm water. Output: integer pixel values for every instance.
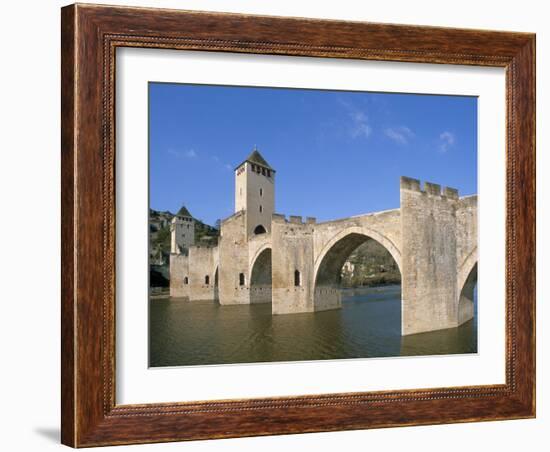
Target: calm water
(368, 325)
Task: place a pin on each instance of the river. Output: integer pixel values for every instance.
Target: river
(367, 326)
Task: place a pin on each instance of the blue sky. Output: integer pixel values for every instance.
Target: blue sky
(337, 153)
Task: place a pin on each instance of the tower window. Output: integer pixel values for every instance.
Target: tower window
(207, 280)
(241, 279)
(186, 280)
(261, 209)
(297, 279)
(259, 230)
(261, 191)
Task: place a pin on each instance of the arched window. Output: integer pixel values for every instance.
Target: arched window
(259, 230)
(207, 279)
(297, 281)
(241, 279)
(186, 280)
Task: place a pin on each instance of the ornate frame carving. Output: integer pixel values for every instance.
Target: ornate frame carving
(90, 35)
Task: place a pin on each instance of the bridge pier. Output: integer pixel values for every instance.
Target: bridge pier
(430, 296)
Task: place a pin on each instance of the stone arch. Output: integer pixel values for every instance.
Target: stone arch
(329, 263)
(361, 231)
(260, 280)
(465, 268)
(254, 253)
(466, 283)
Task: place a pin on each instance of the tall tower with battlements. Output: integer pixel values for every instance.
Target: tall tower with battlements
(255, 193)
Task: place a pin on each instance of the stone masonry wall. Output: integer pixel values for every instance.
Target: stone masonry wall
(429, 261)
(179, 269)
(292, 251)
(467, 256)
(202, 268)
(233, 259)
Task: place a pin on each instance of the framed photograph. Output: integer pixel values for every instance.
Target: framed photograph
(281, 225)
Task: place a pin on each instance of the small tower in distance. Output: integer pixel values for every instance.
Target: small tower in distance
(182, 231)
(255, 193)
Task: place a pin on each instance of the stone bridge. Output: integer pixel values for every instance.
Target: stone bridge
(296, 265)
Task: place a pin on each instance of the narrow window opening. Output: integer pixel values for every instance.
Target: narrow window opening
(241, 279)
(261, 209)
(297, 281)
(186, 280)
(207, 280)
(261, 191)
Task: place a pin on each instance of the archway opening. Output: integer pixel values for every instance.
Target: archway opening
(260, 278)
(355, 267)
(259, 230)
(468, 296)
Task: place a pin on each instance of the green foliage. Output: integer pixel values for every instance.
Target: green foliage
(160, 239)
(370, 265)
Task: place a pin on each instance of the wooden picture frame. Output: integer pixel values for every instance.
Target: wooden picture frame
(90, 36)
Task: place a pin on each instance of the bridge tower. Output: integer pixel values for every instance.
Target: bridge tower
(182, 231)
(255, 193)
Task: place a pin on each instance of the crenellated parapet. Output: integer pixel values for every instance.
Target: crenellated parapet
(429, 188)
(292, 219)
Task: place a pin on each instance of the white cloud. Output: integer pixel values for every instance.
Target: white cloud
(401, 135)
(446, 141)
(190, 153)
(201, 156)
(360, 126)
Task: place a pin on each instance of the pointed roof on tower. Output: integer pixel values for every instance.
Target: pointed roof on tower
(183, 212)
(257, 158)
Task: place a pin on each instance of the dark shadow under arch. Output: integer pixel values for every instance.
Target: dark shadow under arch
(328, 279)
(216, 286)
(466, 298)
(260, 278)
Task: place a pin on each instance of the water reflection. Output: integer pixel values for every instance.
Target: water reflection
(368, 325)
